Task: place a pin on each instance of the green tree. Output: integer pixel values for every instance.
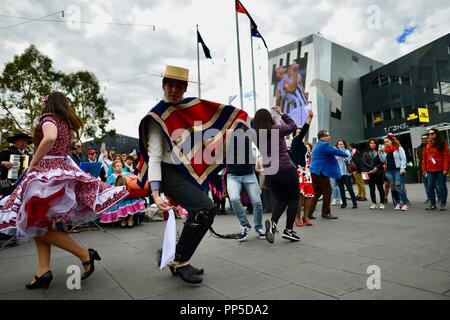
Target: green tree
(30, 77)
(23, 83)
(83, 90)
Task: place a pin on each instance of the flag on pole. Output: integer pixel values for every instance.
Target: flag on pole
(205, 48)
(255, 33)
(254, 28)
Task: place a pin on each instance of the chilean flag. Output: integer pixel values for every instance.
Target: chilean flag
(254, 28)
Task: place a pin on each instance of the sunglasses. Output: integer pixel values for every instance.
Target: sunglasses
(431, 133)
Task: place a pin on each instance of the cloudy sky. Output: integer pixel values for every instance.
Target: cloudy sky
(126, 43)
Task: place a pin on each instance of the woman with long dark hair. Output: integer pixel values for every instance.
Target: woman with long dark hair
(374, 167)
(283, 181)
(435, 166)
(55, 190)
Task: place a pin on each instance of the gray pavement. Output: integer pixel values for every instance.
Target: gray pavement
(412, 250)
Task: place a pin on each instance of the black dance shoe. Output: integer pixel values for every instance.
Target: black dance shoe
(41, 282)
(189, 274)
(93, 255)
(197, 271)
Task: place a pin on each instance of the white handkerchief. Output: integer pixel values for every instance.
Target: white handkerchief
(170, 239)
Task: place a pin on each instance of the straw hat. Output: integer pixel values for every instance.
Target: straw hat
(177, 73)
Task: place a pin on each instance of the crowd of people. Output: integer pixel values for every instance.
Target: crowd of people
(55, 190)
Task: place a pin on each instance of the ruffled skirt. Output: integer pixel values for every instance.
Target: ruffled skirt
(58, 190)
(123, 209)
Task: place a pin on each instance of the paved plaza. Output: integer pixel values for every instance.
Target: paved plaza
(412, 250)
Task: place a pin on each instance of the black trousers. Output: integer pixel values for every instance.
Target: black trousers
(347, 181)
(376, 179)
(284, 187)
(200, 207)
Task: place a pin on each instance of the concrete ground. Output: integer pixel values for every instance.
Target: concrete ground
(411, 249)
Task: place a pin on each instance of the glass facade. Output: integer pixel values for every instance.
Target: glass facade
(420, 79)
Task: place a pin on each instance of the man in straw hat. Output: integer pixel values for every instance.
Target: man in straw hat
(172, 171)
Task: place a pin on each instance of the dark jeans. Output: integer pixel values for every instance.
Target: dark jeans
(440, 179)
(376, 179)
(347, 181)
(286, 193)
(321, 185)
(200, 207)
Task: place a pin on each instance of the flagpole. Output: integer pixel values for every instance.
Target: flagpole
(198, 67)
(253, 72)
(239, 62)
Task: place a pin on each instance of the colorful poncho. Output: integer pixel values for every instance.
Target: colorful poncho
(187, 115)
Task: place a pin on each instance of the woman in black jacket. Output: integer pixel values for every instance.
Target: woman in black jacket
(372, 164)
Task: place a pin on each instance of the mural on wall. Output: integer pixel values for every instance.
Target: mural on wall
(290, 92)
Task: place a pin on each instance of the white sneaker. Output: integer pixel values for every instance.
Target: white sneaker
(405, 208)
(333, 202)
(381, 207)
(244, 233)
(373, 206)
(398, 207)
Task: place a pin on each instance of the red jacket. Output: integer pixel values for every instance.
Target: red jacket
(434, 160)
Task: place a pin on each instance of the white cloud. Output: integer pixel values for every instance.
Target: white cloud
(122, 54)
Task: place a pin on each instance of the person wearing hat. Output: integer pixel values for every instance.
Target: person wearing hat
(323, 167)
(19, 145)
(184, 181)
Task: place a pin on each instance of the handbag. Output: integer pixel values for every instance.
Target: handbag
(352, 167)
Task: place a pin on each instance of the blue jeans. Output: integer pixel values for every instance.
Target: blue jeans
(251, 186)
(395, 178)
(438, 177)
(335, 192)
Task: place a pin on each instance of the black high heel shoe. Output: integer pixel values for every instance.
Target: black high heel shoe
(41, 282)
(93, 255)
(197, 271)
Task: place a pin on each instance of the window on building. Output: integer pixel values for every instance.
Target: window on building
(377, 118)
(274, 74)
(355, 58)
(433, 107)
(387, 114)
(375, 82)
(384, 81)
(397, 113)
(395, 79)
(341, 86)
(445, 106)
(445, 88)
(408, 110)
(281, 62)
(369, 121)
(405, 79)
(288, 59)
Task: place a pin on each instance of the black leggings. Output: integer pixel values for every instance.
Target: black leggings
(286, 193)
(376, 179)
(347, 181)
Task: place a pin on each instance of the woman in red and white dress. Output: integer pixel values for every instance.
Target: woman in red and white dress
(55, 189)
(306, 189)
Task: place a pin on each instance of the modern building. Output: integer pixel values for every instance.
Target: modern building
(342, 68)
(397, 96)
(122, 143)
